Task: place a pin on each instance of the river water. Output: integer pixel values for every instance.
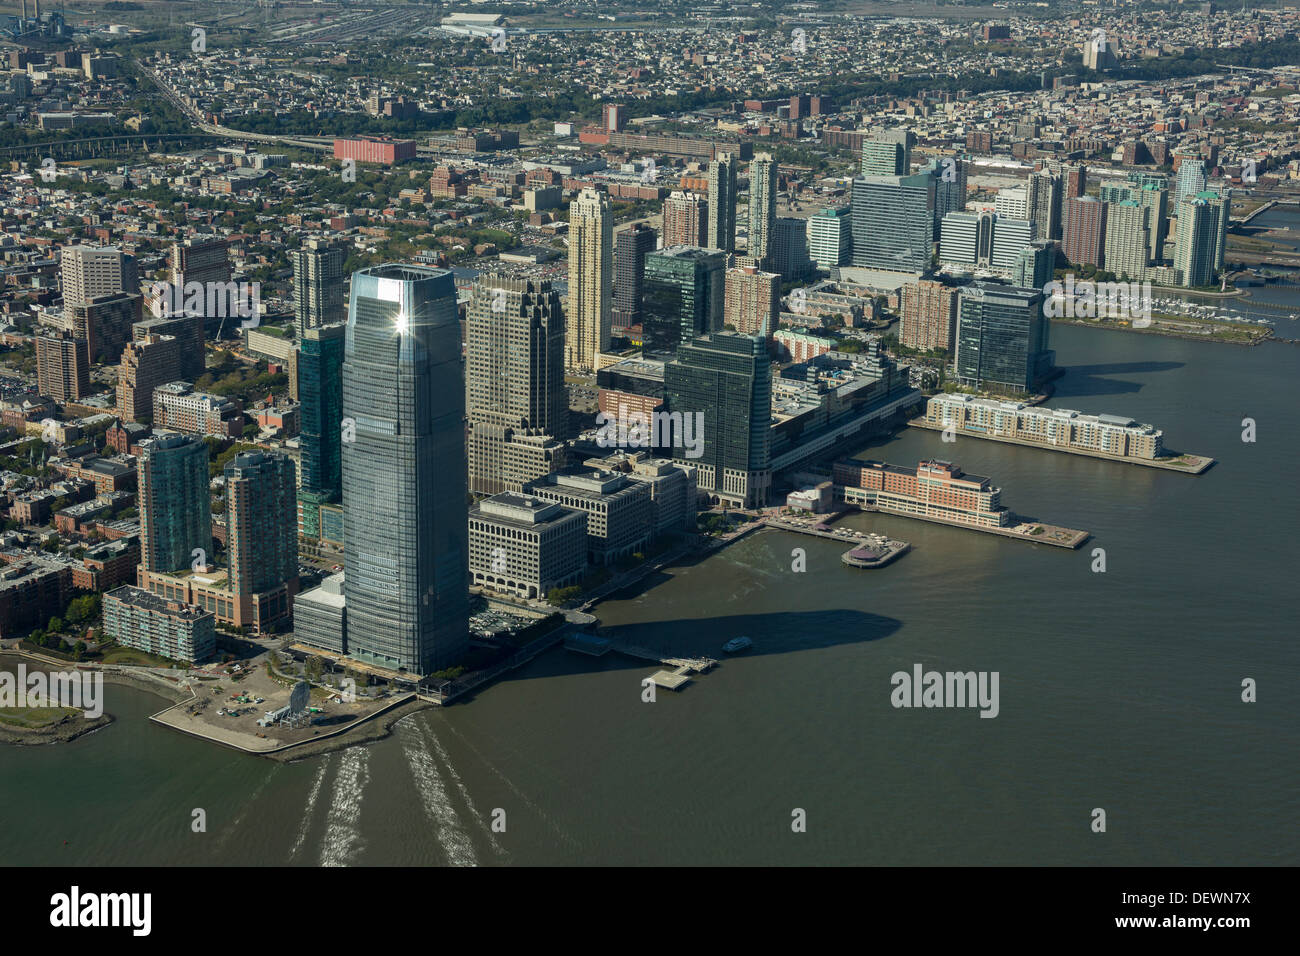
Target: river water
(1119, 690)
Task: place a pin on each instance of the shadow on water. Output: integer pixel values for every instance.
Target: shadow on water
(1096, 380)
(785, 632)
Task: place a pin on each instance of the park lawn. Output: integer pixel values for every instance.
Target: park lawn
(32, 718)
(130, 655)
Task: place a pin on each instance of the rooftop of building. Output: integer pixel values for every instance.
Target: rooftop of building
(137, 597)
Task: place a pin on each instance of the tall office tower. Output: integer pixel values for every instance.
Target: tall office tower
(318, 284)
(104, 323)
(262, 538)
(752, 301)
(966, 240)
(722, 203)
(320, 439)
(1034, 266)
(949, 187)
(1085, 231)
(684, 290)
(1012, 203)
(1201, 239)
(829, 237)
(1001, 337)
(685, 220)
(788, 253)
(630, 249)
(1190, 181)
(929, 315)
(727, 379)
(1045, 204)
(146, 363)
(762, 205)
(1010, 238)
(174, 503)
(404, 493)
(188, 332)
(514, 382)
(1128, 237)
(62, 369)
(591, 276)
(893, 222)
(87, 272)
(888, 153)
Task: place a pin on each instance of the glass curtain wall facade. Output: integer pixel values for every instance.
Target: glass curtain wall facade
(404, 480)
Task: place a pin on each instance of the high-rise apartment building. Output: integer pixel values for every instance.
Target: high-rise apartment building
(685, 220)
(174, 503)
(104, 323)
(727, 379)
(320, 440)
(591, 278)
(630, 249)
(788, 252)
(62, 369)
(762, 205)
(1201, 239)
(1085, 231)
(722, 203)
(1001, 337)
(1190, 179)
(261, 536)
(404, 496)
(146, 364)
(318, 284)
(1128, 237)
(1044, 191)
(752, 301)
(188, 332)
(929, 315)
(893, 222)
(684, 292)
(516, 401)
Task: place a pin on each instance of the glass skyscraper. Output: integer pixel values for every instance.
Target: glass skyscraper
(320, 394)
(404, 481)
(175, 507)
(683, 293)
(727, 379)
(893, 222)
(1002, 337)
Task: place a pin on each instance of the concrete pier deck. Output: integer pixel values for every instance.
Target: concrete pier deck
(1185, 464)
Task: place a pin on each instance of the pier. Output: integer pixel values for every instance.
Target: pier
(682, 668)
(883, 550)
(1184, 464)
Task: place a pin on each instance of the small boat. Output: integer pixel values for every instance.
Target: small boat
(737, 644)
